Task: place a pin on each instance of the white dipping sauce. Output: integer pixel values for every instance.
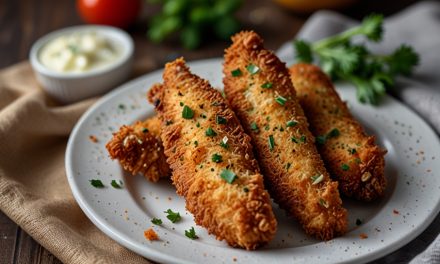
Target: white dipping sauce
(79, 52)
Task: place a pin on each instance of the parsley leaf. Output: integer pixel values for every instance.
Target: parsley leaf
(191, 233)
(116, 185)
(97, 183)
(156, 221)
(217, 158)
(172, 216)
(228, 175)
(187, 112)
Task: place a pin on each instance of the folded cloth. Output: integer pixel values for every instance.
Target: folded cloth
(418, 26)
(33, 186)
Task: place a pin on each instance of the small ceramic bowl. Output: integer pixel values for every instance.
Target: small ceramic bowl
(70, 87)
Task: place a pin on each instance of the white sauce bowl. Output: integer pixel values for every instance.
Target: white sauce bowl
(68, 87)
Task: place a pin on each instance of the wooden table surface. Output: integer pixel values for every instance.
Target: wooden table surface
(24, 21)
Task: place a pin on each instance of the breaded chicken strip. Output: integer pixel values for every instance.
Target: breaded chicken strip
(352, 157)
(139, 149)
(260, 92)
(211, 160)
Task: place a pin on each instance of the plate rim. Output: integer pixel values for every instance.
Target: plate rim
(159, 256)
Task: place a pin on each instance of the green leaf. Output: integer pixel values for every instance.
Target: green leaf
(252, 69)
(116, 185)
(345, 167)
(254, 127)
(303, 51)
(271, 142)
(372, 28)
(403, 60)
(220, 120)
(191, 233)
(187, 112)
(267, 85)
(281, 100)
(217, 158)
(228, 175)
(236, 73)
(156, 221)
(173, 216)
(291, 123)
(210, 132)
(96, 183)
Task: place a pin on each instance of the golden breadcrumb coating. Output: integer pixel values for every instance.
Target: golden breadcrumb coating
(352, 157)
(204, 140)
(260, 92)
(139, 149)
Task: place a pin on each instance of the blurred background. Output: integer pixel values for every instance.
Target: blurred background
(162, 30)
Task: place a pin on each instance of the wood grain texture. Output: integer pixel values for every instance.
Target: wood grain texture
(22, 22)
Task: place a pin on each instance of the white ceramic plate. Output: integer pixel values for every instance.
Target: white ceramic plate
(411, 203)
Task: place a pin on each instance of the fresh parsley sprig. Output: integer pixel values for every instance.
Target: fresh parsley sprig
(340, 58)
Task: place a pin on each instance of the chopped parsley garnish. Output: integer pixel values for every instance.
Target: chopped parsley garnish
(181, 103)
(145, 130)
(202, 115)
(172, 216)
(97, 183)
(217, 158)
(323, 138)
(280, 100)
(345, 167)
(317, 179)
(156, 221)
(224, 142)
(352, 151)
(210, 132)
(291, 123)
(198, 124)
(254, 127)
(252, 69)
(220, 120)
(228, 175)
(236, 73)
(302, 139)
(267, 85)
(358, 222)
(121, 106)
(116, 185)
(245, 189)
(191, 233)
(267, 127)
(333, 133)
(196, 143)
(271, 142)
(187, 112)
(288, 165)
(323, 202)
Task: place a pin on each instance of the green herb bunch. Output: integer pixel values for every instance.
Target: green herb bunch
(340, 58)
(190, 19)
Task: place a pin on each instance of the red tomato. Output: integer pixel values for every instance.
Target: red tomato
(118, 13)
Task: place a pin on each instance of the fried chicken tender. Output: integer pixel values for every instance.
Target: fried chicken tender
(139, 149)
(351, 157)
(211, 160)
(260, 92)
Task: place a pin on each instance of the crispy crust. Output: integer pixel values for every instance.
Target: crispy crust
(365, 179)
(139, 150)
(240, 212)
(317, 207)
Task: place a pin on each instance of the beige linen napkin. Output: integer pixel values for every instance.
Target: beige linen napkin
(34, 191)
